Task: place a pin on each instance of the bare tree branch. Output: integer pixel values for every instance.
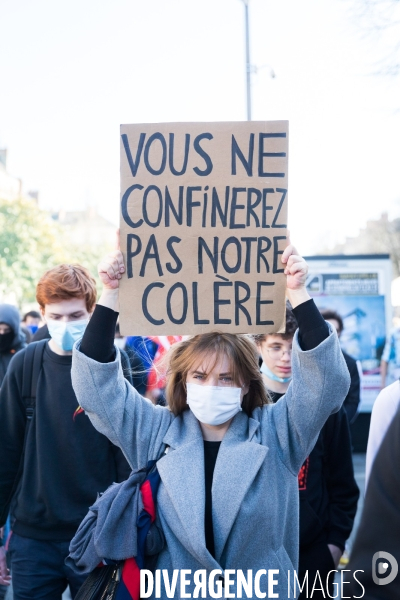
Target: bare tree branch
(379, 20)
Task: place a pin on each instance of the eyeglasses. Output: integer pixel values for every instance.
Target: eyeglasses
(278, 352)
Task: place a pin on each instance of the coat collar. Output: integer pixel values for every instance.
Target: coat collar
(185, 428)
(182, 472)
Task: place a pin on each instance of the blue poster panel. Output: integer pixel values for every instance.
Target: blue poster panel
(363, 336)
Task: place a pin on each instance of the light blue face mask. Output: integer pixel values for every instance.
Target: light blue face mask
(264, 369)
(66, 334)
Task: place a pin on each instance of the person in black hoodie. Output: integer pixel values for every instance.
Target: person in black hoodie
(327, 488)
(65, 461)
(12, 338)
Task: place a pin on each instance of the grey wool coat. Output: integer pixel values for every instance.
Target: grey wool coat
(254, 491)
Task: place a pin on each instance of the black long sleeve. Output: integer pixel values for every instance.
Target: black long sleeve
(313, 329)
(98, 339)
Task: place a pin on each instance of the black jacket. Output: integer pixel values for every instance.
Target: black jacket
(352, 399)
(66, 461)
(41, 334)
(327, 489)
(379, 528)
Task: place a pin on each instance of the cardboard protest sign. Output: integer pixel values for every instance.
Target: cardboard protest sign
(203, 227)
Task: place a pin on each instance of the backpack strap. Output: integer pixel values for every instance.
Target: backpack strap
(30, 375)
(32, 366)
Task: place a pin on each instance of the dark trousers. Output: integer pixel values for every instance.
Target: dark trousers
(38, 570)
(312, 559)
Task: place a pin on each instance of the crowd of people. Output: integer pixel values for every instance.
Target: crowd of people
(250, 434)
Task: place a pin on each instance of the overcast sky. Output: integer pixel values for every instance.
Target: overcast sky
(72, 72)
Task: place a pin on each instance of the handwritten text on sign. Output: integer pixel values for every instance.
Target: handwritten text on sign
(203, 227)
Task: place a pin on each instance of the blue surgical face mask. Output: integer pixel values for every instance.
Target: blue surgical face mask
(268, 373)
(32, 328)
(65, 334)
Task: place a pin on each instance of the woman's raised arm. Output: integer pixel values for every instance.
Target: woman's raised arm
(112, 404)
(320, 379)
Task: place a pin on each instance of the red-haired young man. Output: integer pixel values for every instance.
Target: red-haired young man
(54, 463)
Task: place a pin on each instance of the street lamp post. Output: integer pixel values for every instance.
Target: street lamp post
(248, 64)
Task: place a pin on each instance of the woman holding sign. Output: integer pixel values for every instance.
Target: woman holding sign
(228, 498)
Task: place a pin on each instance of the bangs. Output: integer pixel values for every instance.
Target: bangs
(210, 358)
(206, 351)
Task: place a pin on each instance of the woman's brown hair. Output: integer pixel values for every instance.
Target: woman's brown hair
(240, 351)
